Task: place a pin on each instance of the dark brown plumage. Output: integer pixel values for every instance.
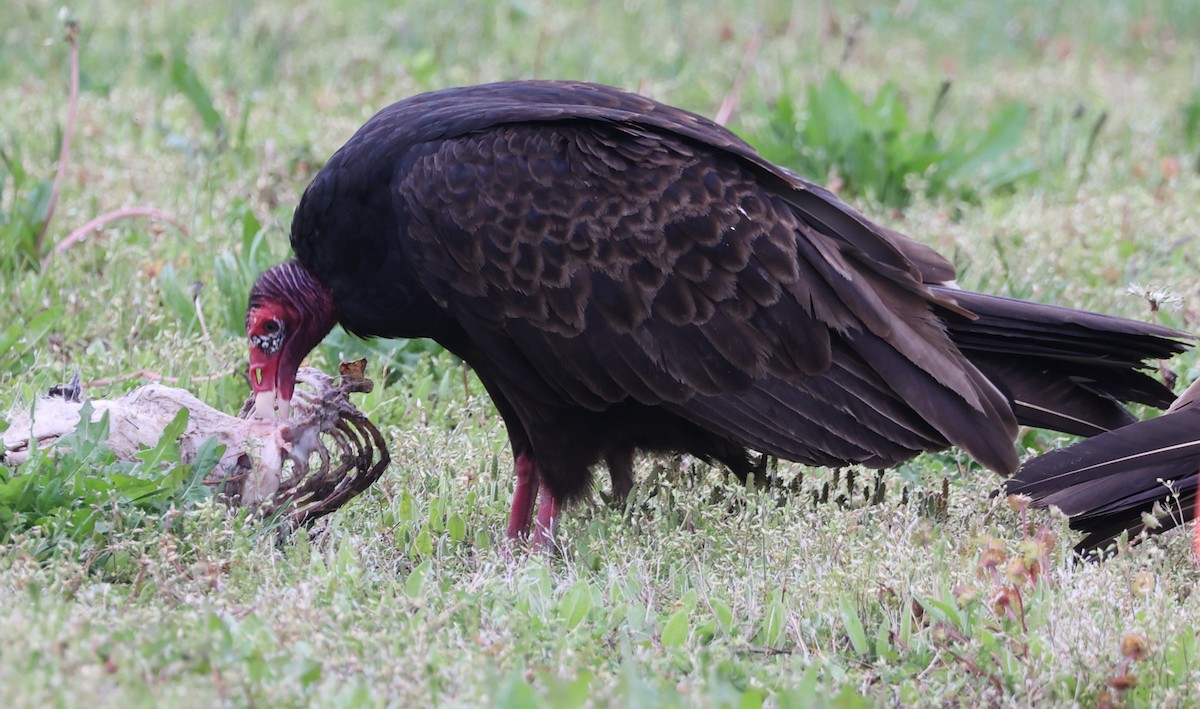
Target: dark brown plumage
(624, 276)
(1109, 483)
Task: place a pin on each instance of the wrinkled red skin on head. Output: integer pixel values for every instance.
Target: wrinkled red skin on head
(273, 368)
(262, 365)
(289, 313)
(263, 369)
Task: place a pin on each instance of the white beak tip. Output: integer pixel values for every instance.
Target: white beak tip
(264, 405)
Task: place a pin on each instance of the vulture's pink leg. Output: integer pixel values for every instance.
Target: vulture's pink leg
(523, 497)
(547, 519)
(1196, 534)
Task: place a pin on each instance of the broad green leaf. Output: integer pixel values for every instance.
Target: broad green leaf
(188, 82)
(415, 582)
(723, 614)
(456, 527)
(675, 631)
(19, 337)
(575, 605)
(854, 626)
(771, 628)
(752, 698)
(167, 449)
(423, 544)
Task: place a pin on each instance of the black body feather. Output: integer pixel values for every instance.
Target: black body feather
(623, 275)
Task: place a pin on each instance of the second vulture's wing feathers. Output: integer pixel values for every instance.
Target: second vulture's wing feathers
(607, 254)
(1109, 483)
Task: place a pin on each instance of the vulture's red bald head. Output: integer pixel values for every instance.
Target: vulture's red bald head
(290, 311)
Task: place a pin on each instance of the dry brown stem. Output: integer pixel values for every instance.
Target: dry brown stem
(101, 221)
(730, 103)
(64, 153)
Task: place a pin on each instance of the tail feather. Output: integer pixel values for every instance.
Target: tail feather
(1052, 397)
(1107, 483)
(1063, 369)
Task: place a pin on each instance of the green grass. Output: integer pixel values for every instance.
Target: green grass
(699, 593)
(874, 149)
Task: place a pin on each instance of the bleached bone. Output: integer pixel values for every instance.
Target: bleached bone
(266, 465)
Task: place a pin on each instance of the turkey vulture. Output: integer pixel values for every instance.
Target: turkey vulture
(626, 276)
(1108, 484)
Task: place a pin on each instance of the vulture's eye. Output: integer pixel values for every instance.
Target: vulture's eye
(270, 337)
